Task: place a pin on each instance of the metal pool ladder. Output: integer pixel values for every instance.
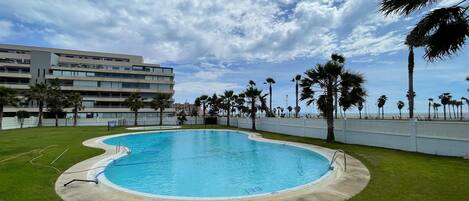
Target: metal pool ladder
(335, 156)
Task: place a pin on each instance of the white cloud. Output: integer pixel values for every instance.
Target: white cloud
(187, 31)
(5, 29)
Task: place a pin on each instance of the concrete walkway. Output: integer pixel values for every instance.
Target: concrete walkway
(337, 185)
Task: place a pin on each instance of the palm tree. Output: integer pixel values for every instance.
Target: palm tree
(400, 105)
(38, 93)
(203, 99)
(459, 108)
(56, 100)
(381, 102)
(329, 80)
(197, 104)
(360, 108)
(22, 114)
(7, 98)
(252, 94)
(289, 108)
(135, 103)
(239, 104)
(430, 101)
(467, 102)
(278, 111)
(76, 102)
(270, 81)
(296, 79)
(160, 102)
(442, 32)
(228, 100)
(445, 98)
(435, 110)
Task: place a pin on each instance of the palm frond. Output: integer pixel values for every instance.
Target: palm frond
(442, 32)
(403, 7)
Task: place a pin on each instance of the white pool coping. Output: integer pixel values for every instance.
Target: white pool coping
(336, 184)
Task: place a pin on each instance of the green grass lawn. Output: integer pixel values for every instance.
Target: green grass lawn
(395, 175)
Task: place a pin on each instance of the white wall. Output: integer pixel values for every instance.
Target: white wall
(439, 138)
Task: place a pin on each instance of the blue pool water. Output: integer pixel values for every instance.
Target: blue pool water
(208, 163)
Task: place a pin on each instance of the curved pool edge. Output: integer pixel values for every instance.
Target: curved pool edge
(334, 185)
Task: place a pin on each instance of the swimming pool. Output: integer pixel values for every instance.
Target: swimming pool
(210, 164)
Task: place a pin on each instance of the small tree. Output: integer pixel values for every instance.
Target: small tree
(160, 102)
(21, 115)
(400, 105)
(381, 102)
(360, 108)
(135, 103)
(445, 99)
(76, 102)
(181, 117)
(56, 100)
(38, 93)
(252, 94)
(227, 101)
(289, 108)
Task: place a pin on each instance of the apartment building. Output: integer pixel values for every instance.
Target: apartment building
(104, 80)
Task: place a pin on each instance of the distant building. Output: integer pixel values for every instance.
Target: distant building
(188, 108)
(104, 80)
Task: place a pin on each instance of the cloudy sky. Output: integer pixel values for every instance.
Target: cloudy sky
(221, 44)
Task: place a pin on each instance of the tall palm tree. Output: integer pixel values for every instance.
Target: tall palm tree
(56, 100)
(445, 98)
(228, 100)
(160, 102)
(76, 102)
(7, 98)
(400, 105)
(239, 104)
(270, 81)
(296, 80)
(331, 78)
(381, 102)
(442, 31)
(252, 94)
(38, 93)
(135, 103)
(430, 101)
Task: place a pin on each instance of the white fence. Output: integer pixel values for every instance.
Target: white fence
(439, 138)
(13, 122)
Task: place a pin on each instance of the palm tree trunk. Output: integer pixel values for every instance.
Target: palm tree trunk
(382, 112)
(460, 113)
(335, 103)
(56, 119)
(228, 117)
(449, 111)
(429, 113)
(75, 116)
(296, 96)
(411, 81)
(270, 97)
(360, 113)
(161, 116)
(39, 121)
(253, 114)
(330, 115)
(135, 117)
(1, 116)
(400, 114)
(444, 112)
